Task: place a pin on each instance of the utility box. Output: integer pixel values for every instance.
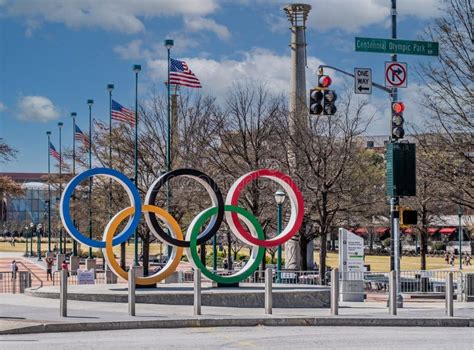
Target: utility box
(401, 169)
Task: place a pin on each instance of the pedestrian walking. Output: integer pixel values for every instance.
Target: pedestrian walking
(467, 259)
(451, 259)
(13, 240)
(14, 269)
(49, 268)
(446, 258)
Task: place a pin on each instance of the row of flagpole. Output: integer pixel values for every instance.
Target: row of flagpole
(178, 74)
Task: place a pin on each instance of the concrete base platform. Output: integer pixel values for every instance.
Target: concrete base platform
(249, 295)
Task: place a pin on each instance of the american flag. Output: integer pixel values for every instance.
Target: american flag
(54, 153)
(122, 114)
(180, 74)
(80, 136)
(98, 124)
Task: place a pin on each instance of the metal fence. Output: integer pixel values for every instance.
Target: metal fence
(310, 277)
(14, 283)
(100, 277)
(468, 286)
(411, 282)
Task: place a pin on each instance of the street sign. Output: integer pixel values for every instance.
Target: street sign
(404, 47)
(396, 74)
(363, 80)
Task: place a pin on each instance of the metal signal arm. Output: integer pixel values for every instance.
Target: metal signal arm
(381, 87)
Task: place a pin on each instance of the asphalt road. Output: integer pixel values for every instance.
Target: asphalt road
(250, 338)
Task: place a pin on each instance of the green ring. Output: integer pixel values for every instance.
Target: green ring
(235, 278)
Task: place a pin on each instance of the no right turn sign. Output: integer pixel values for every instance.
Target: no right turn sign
(396, 74)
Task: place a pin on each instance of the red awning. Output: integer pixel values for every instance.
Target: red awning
(447, 230)
(382, 230)
(361, 231)
(432, 230)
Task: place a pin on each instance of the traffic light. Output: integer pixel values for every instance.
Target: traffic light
(321, 100)
(408, 216)
(330, 98)
(316, 101)
(397, 120)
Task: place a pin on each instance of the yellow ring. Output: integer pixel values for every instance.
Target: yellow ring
(173, 260)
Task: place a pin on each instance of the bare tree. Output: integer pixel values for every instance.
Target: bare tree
(449, 99)
(329, 171)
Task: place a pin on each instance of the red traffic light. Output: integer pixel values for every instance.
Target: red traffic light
(398, 107)
(324, 81)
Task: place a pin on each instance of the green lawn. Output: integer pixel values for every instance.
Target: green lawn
(377, 263)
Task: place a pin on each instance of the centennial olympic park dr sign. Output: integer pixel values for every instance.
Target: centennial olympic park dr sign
(195, 235)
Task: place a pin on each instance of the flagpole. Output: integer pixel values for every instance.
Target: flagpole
(136, 69)
(90, 103)
(49, 191)
(110, 87)
(60, 125)
(73, 115)
(168, 44)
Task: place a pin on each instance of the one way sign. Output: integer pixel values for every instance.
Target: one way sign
(363, 80)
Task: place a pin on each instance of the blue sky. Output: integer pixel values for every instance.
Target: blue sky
(56, 54)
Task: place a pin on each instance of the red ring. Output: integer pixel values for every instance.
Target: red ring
(299, 207)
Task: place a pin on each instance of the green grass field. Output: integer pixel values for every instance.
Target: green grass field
(377, 263)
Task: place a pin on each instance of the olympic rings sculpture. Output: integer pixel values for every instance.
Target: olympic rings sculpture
(194, 235)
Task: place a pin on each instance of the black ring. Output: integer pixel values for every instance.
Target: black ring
(209, 184)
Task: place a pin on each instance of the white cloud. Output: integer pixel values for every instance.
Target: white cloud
(195, 24)
(2, 107)
(131, 51)
(352, 15)
(37, 109)
(114, 15)
(260, 65)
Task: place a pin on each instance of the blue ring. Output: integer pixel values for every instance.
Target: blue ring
(65, 207)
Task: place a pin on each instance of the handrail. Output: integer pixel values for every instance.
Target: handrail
(31, 272)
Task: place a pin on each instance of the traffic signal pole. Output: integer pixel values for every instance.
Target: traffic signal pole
(394, 201)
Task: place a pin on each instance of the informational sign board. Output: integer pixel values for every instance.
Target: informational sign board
(363, 81)
(396, 74)
(351, 265)
(403, 47)
(86, 276)
(351, 252)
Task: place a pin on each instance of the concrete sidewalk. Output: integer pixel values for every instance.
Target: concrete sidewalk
(23, 314)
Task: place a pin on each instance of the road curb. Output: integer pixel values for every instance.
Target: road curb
(241, 322)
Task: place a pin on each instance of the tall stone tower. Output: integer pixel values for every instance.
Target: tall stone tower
(297, 15)
(298, 113)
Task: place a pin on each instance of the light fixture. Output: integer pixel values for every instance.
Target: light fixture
(280, 197)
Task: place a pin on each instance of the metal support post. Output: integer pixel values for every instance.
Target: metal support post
(197, 292)
(449, 295)
(335, 292)
(268, 291)
(279, 252)
(460, 232)
(392, 284)
(131, 291)
(63, 294)
(214, 253)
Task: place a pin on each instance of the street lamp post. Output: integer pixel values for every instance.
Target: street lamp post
(90, 102)
(73, 116)
(39, 228)
(168, 44)
(136, 69)
(26, 240)
(460, 235)
(32, 227)
(49, 192)
(280, 197)
(110, 88)
(60, 126)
